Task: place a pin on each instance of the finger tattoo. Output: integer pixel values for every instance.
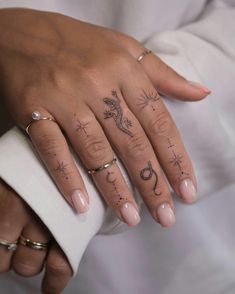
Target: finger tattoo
(61, 168)
(81, 127)
(115, 111)
(176, 161)
(148, 99)
(147, 173)
(110, 178)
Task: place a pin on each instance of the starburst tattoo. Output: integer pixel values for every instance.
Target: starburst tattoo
(81, 127)
(112, 180)
(115, 111)
(176, 161)
(148, 99)
(61, 168)
(147, 174)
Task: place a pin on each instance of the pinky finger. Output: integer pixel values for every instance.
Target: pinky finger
(58, 271)
(53, 149)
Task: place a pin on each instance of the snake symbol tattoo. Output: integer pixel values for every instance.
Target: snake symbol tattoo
(115, 111)
(147, 173)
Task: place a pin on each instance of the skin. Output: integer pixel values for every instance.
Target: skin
(72, 70)
(16, 219)
(87, 77)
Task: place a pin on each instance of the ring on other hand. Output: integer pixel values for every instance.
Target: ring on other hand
(102, 167)
(32, 244)
(36, 116)
(143, 54)
(11, 246)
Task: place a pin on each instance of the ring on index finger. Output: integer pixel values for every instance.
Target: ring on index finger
(36, 116)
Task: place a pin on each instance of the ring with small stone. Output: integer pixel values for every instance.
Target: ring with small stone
(143, 54)
(36, 116)
(11, 246)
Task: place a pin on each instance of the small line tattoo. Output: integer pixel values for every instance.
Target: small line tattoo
(81, 127)
(62, 169)
(147, 173)
(148, 99)
(115, 111)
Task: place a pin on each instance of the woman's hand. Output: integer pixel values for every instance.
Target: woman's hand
(88, 79)
(17, 219)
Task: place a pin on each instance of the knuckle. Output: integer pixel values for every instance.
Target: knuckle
(26, 269)
(162, 125)
(136, 145)
(96, 149)
(58, 267)
(47, 143)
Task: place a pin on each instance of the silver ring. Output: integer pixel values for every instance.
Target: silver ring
(102, 167)
(11, 246)
(36, 116)
(143, 54)
(32, 244)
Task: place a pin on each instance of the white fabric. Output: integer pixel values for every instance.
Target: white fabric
(201, 46)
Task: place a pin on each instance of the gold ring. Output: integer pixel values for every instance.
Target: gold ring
(142, 55)
(36, 116)
(102, 167)
(32, 244)
(11, 246)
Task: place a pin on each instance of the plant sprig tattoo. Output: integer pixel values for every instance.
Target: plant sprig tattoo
(147, 173)
(115, 111)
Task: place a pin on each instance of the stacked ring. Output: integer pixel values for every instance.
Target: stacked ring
(32, 244)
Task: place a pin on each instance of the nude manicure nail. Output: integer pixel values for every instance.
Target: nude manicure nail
(130, 214)
(165, 215)
(188, 191)
(79, 201)
(200, 86)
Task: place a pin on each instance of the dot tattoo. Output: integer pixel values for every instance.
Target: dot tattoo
(148, 99)
(147, 173)
(115, 111)
(61, 168)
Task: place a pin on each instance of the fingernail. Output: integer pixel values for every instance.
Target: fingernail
(165, 215)
(79, 201)
(188, 191)
(200, 86)
(130, 214)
